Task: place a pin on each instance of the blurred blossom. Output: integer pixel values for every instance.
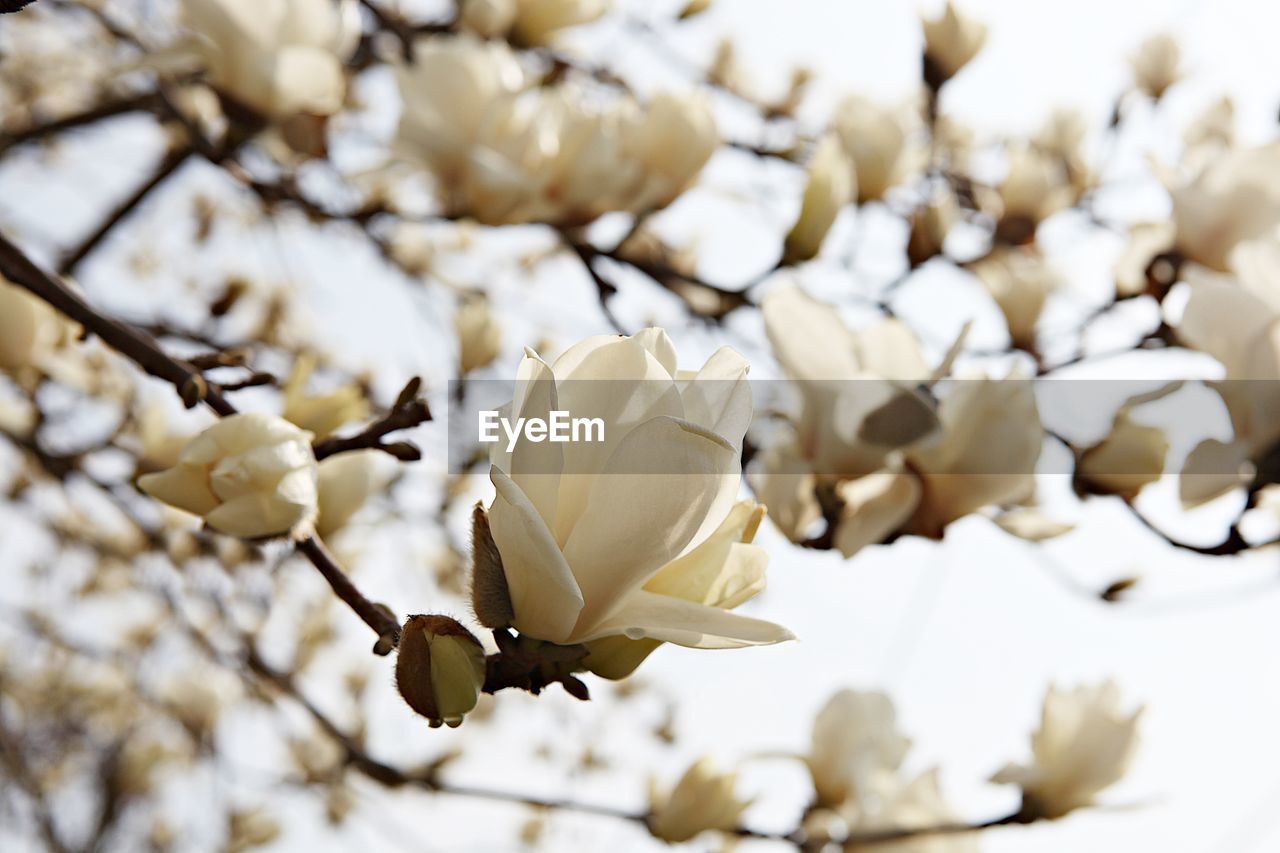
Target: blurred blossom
(986, 453)
(1083, 746)
(702, 800)
(894, 803)
(1036, 187)
(860, 409)
(1156, 65)
(1210, 135)
(248, 475)
(930, 226)
(830, 187)
(280, 58)
(855, 740)
(1130, 457)
(875, 138)
(321, 414)
(529, 23)
(1235, 198)
(479, 334)
(582, 527)
(950, 42)
(440, 669)
(344, 483)
(503, 155)
(1237, 321)
(29, 329)
(1019, 280)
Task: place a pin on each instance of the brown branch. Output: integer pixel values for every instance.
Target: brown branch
(122, 106)
(168, 165)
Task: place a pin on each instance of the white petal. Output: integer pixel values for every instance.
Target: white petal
(685, 623)
(545, 597)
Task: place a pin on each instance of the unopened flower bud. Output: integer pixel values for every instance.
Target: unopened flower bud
(440, 668)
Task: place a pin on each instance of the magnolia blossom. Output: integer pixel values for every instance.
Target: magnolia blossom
(1036, 187)
(1019, 280)
(1156, 64)
(599, 539)
(1233, 200)
(702, 800)
(320, 414)
(1130, 457)
(855, 740)
(248, 475)
(1237, 321)
(1083, 746)
(896, 803)
(830, 186)
(951, 41)
(891, 458)
(479, 335)
(505, 155)
(985, 453)
(29, 328)
(725, 570)
(930, 226)
(875, 138)
(280, 58)
(344, 483)
(532, 23)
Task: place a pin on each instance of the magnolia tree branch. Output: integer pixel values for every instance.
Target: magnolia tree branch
(142, 349)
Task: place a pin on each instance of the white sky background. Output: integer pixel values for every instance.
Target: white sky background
(965, 635)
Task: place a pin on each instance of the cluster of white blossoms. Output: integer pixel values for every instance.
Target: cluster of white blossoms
(861, 790)
(505, 151)
(1083, 746)
(635, 540)
(255, 475)
(277, 58)
(870, 449)
(528, 23)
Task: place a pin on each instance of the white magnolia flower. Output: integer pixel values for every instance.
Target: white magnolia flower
(583, 527)
(280, 58)
(985, 454)
(702, 800)
(855, 741)
(875, 137)
(320, 414)
(951, 41)
(1130, 457)
(479, 335)
(828, 189)
(504, 155)
(1237, 198)
(1036, 187)
(532, 23)
(248, 475)
(29, 328)
(1237, 321)
(1156, 64)
(725, 570)
(845, 378)
(1083, 746)
(1019, 280)
(895, 803)
(344, 483)
(441, 125)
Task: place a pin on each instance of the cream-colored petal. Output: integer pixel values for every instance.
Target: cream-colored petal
(544, 594)
(185, 487)
(646, 615)
(656, 492)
